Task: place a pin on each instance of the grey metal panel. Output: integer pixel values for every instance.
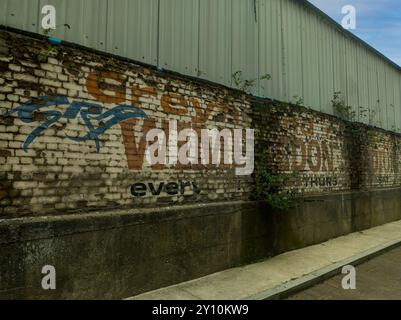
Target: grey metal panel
(244, 51)
(3, 12)
(390, 101)
(179, 35)
(80, 21)
(382, 101)
(326, 80)
(373, 94)
(61, 18)
(271, 48)
(352, 75)
(215, 41)
(310, 64)
(132, 28)
(20, 14)
(292, 53)
(362, 84)
(304, 52)
(339, 64)
(91, 24)
(397, 97)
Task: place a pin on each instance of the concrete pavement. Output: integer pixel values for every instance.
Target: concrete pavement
(376, 279)
(287, 273)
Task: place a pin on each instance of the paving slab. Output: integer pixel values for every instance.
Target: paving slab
(289, 272)
(376, 279)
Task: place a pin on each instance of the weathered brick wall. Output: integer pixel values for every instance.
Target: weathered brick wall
(52, 172)
(56, 155)
(327, 153)
(308, 143)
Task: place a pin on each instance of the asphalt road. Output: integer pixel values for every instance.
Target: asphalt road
(376, 279)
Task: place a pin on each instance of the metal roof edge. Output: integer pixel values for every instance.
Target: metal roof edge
(348, 33)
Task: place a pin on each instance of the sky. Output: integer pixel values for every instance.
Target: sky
(378, 22)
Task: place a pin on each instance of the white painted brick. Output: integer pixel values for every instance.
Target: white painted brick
(58, 69)
(25, 130)
(62, 77)
(29, 64)
(48, 82)
(27, 153)
(26, 160)
(62, 91)
(6, 136)
(12, 129)
(13, 160)
(47, 67)
(72, 93)
(6, 88)
(71, 86)
(14, 67)
(6, 59)
(13, 97)
(52, 61)
(51, 146)
(27, 193)
(40, 73)
(25, 77)
(51, 75)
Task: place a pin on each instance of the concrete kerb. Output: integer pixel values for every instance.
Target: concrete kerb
(294, 286)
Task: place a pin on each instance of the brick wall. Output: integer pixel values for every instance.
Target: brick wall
(329, 154)
(56, 155)
(52, 172)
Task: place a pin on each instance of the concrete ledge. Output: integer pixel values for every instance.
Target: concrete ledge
(113, 255)
(42, 227)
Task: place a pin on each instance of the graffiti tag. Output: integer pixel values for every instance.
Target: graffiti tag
(89, 112)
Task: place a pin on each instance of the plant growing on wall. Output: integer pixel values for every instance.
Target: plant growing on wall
(375, 138)
(247, 84)
(270, 187)
(341, 109)
(298, 100)
(46, 52)
(49, 50)
(372, 117)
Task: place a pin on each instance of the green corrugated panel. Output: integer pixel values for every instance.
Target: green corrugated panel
(245, 40)
(390, 98)
(270, 48)
(79, 21)
(179, 35)
(292, 31)
(363, 86)
(132, 27)
(382, 96)
(305, 54)
(339, 65)
(325, 49)
(215, 40)
(397, 97)
(310, 60)
(21, 14)
(352, 75)
(63, 17)
(373, 93)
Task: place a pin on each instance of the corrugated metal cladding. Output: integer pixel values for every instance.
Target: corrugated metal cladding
(306, 55)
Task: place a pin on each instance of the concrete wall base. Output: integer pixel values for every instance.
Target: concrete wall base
(124, 253)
